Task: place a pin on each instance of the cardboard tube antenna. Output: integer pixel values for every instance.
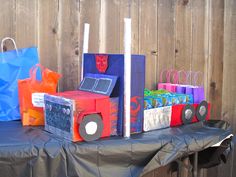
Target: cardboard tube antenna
(85, 48)
(127, 76)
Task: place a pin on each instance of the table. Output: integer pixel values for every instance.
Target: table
(33, 152)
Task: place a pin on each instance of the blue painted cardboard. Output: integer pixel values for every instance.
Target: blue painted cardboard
(116, 68)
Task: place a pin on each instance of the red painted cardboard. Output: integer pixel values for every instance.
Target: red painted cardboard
(81, 103)
(176, 114)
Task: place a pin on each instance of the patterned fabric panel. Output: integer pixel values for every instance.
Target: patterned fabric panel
(114, 114)
(58, 115)
(157, 118)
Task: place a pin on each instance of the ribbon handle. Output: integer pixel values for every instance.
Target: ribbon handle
(185, 77)
(189, 79)
(175, 76)
(34, 69)
(10, 39)
(196, 77)
(161, 75)
(168, 76)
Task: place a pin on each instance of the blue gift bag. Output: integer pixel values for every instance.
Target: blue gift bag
(14, 65)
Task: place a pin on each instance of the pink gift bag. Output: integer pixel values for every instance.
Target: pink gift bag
(171, 87)
(161, 84)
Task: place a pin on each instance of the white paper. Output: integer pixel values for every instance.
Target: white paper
(85, 48)
(38, 99)
(157, 118)
(127, 76)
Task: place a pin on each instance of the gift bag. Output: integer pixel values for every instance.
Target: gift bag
(189, 82)
(181, 87)
(172, 85)
(161, 84)
(171, 80)
(167, 84)
(31, 94)
(14, 65)
(196, 89)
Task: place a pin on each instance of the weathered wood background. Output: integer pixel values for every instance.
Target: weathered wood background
(197, 35)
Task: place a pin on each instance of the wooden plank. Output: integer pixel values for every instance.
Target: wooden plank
(163, 171)
(148, 39)
(111, 35)
(150, 174)
(183, 33)
(169, 170)
(212, 171)
(26, 23)
(130, 9)
(166, 35)
(206, 48)
(225, 169)
(7, 17)
(90, 12)
(69, 47)
(184, 172)
(49, 31)
(215, 66)
(202, 172)
(174, 174)
(229, 81)
(215, 62)
(198, 37)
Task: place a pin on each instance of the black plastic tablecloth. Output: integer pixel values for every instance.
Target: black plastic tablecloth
(33, 152)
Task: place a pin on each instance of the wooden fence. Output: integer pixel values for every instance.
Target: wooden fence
(196, 35)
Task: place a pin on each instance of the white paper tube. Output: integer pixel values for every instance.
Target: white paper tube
(127, 76)
(85, 48)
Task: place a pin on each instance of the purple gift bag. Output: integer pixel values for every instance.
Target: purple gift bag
(181, 87)
(198, 94)
(197, 90)
(188, 86)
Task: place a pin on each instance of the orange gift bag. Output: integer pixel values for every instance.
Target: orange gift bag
(31, 92)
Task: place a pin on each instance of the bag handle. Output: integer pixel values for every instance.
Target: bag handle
(175, 76)
(34, 69)
(185, 76)
(168, 75)
(196, 76)
(161, 75)
(12, 40)
(189, 77)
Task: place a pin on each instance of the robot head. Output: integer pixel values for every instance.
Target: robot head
(102, 63)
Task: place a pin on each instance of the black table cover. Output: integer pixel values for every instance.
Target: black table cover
(33, 152)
